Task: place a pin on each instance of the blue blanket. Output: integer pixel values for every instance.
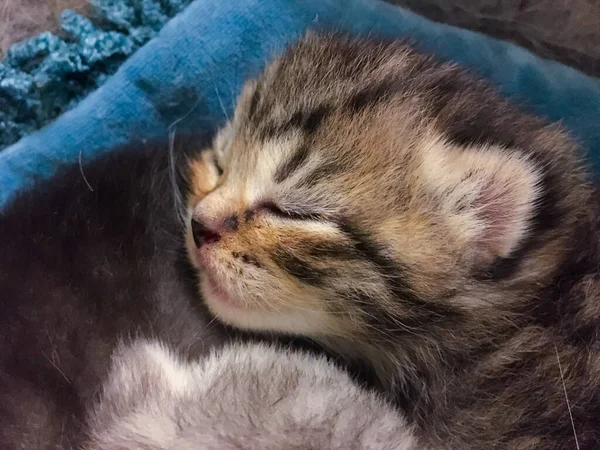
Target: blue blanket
(192, 72)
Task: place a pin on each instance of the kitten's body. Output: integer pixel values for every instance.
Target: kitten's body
(244, 397)
(399, 211)
(88, 259)
(104, 342)
(388, 206)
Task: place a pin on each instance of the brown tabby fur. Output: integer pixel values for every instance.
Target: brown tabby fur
(397, 210)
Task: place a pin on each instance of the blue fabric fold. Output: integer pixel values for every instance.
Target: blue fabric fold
(192, 72)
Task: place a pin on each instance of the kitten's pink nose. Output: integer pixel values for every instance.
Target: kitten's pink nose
(202, 234)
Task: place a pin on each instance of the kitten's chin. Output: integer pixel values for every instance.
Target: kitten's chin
(245, 317)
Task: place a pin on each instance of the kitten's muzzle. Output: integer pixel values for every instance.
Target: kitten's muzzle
(203, 235)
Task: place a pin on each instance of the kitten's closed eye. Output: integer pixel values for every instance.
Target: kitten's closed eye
(420, 226)
(289, 213)
(215, 161)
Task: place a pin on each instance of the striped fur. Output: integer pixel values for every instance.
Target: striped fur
(397, 210)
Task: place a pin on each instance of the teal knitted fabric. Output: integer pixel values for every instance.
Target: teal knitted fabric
(46, 75)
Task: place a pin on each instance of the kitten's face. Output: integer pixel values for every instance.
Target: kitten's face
(342, 211)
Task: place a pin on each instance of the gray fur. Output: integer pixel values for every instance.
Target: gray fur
(398, 210)
(243, 397)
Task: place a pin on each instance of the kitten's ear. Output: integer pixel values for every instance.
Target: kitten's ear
(488, 194)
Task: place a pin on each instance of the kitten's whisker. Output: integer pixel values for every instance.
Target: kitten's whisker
(186, 115)
(177, 197)
(56, 367)
(221, 103)
(271, 305)
(212, 322)
(562, 378)
(233, 97)
(83, 173)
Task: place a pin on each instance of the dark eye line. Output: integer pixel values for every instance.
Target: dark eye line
(217, 165)
(293, 214)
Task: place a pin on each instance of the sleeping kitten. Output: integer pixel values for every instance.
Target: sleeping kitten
(242, 397)
(104, 343)
(90, 258)
(397, 210)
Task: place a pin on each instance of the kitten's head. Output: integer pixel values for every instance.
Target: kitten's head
(370, 191)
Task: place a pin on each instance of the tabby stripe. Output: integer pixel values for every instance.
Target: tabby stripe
(387, 268)
(391, 272)
(323, 171)
(370, 96)
(298, 268)
(380, 321)
(292, 165)
(306, 122)
(253, 103)
(333, 250)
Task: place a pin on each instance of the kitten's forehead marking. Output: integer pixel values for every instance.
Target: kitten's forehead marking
(252, 169)
(257, 171)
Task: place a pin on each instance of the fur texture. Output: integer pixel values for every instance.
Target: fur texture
(103, 336)
(397, 210)
(243, 397)
(91, 258)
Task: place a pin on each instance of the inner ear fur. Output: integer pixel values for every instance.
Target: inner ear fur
(487, 193)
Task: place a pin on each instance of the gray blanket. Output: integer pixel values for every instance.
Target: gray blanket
(564, 30)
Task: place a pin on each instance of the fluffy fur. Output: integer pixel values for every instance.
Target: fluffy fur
(105, 344)
(397, 210)
(89, 258)
(245, 396)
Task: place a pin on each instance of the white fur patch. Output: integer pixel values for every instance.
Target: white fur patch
(259, 181)
(245, 396)
(295, 321)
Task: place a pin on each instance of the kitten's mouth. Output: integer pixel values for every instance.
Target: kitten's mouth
(216, 290)
(216, 294)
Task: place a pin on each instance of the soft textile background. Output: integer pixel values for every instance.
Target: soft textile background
(192, 72)
(567, 31)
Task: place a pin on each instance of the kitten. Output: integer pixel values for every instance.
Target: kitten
(242, 397)
(397, 210)
(105, 344)
(90, 258)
